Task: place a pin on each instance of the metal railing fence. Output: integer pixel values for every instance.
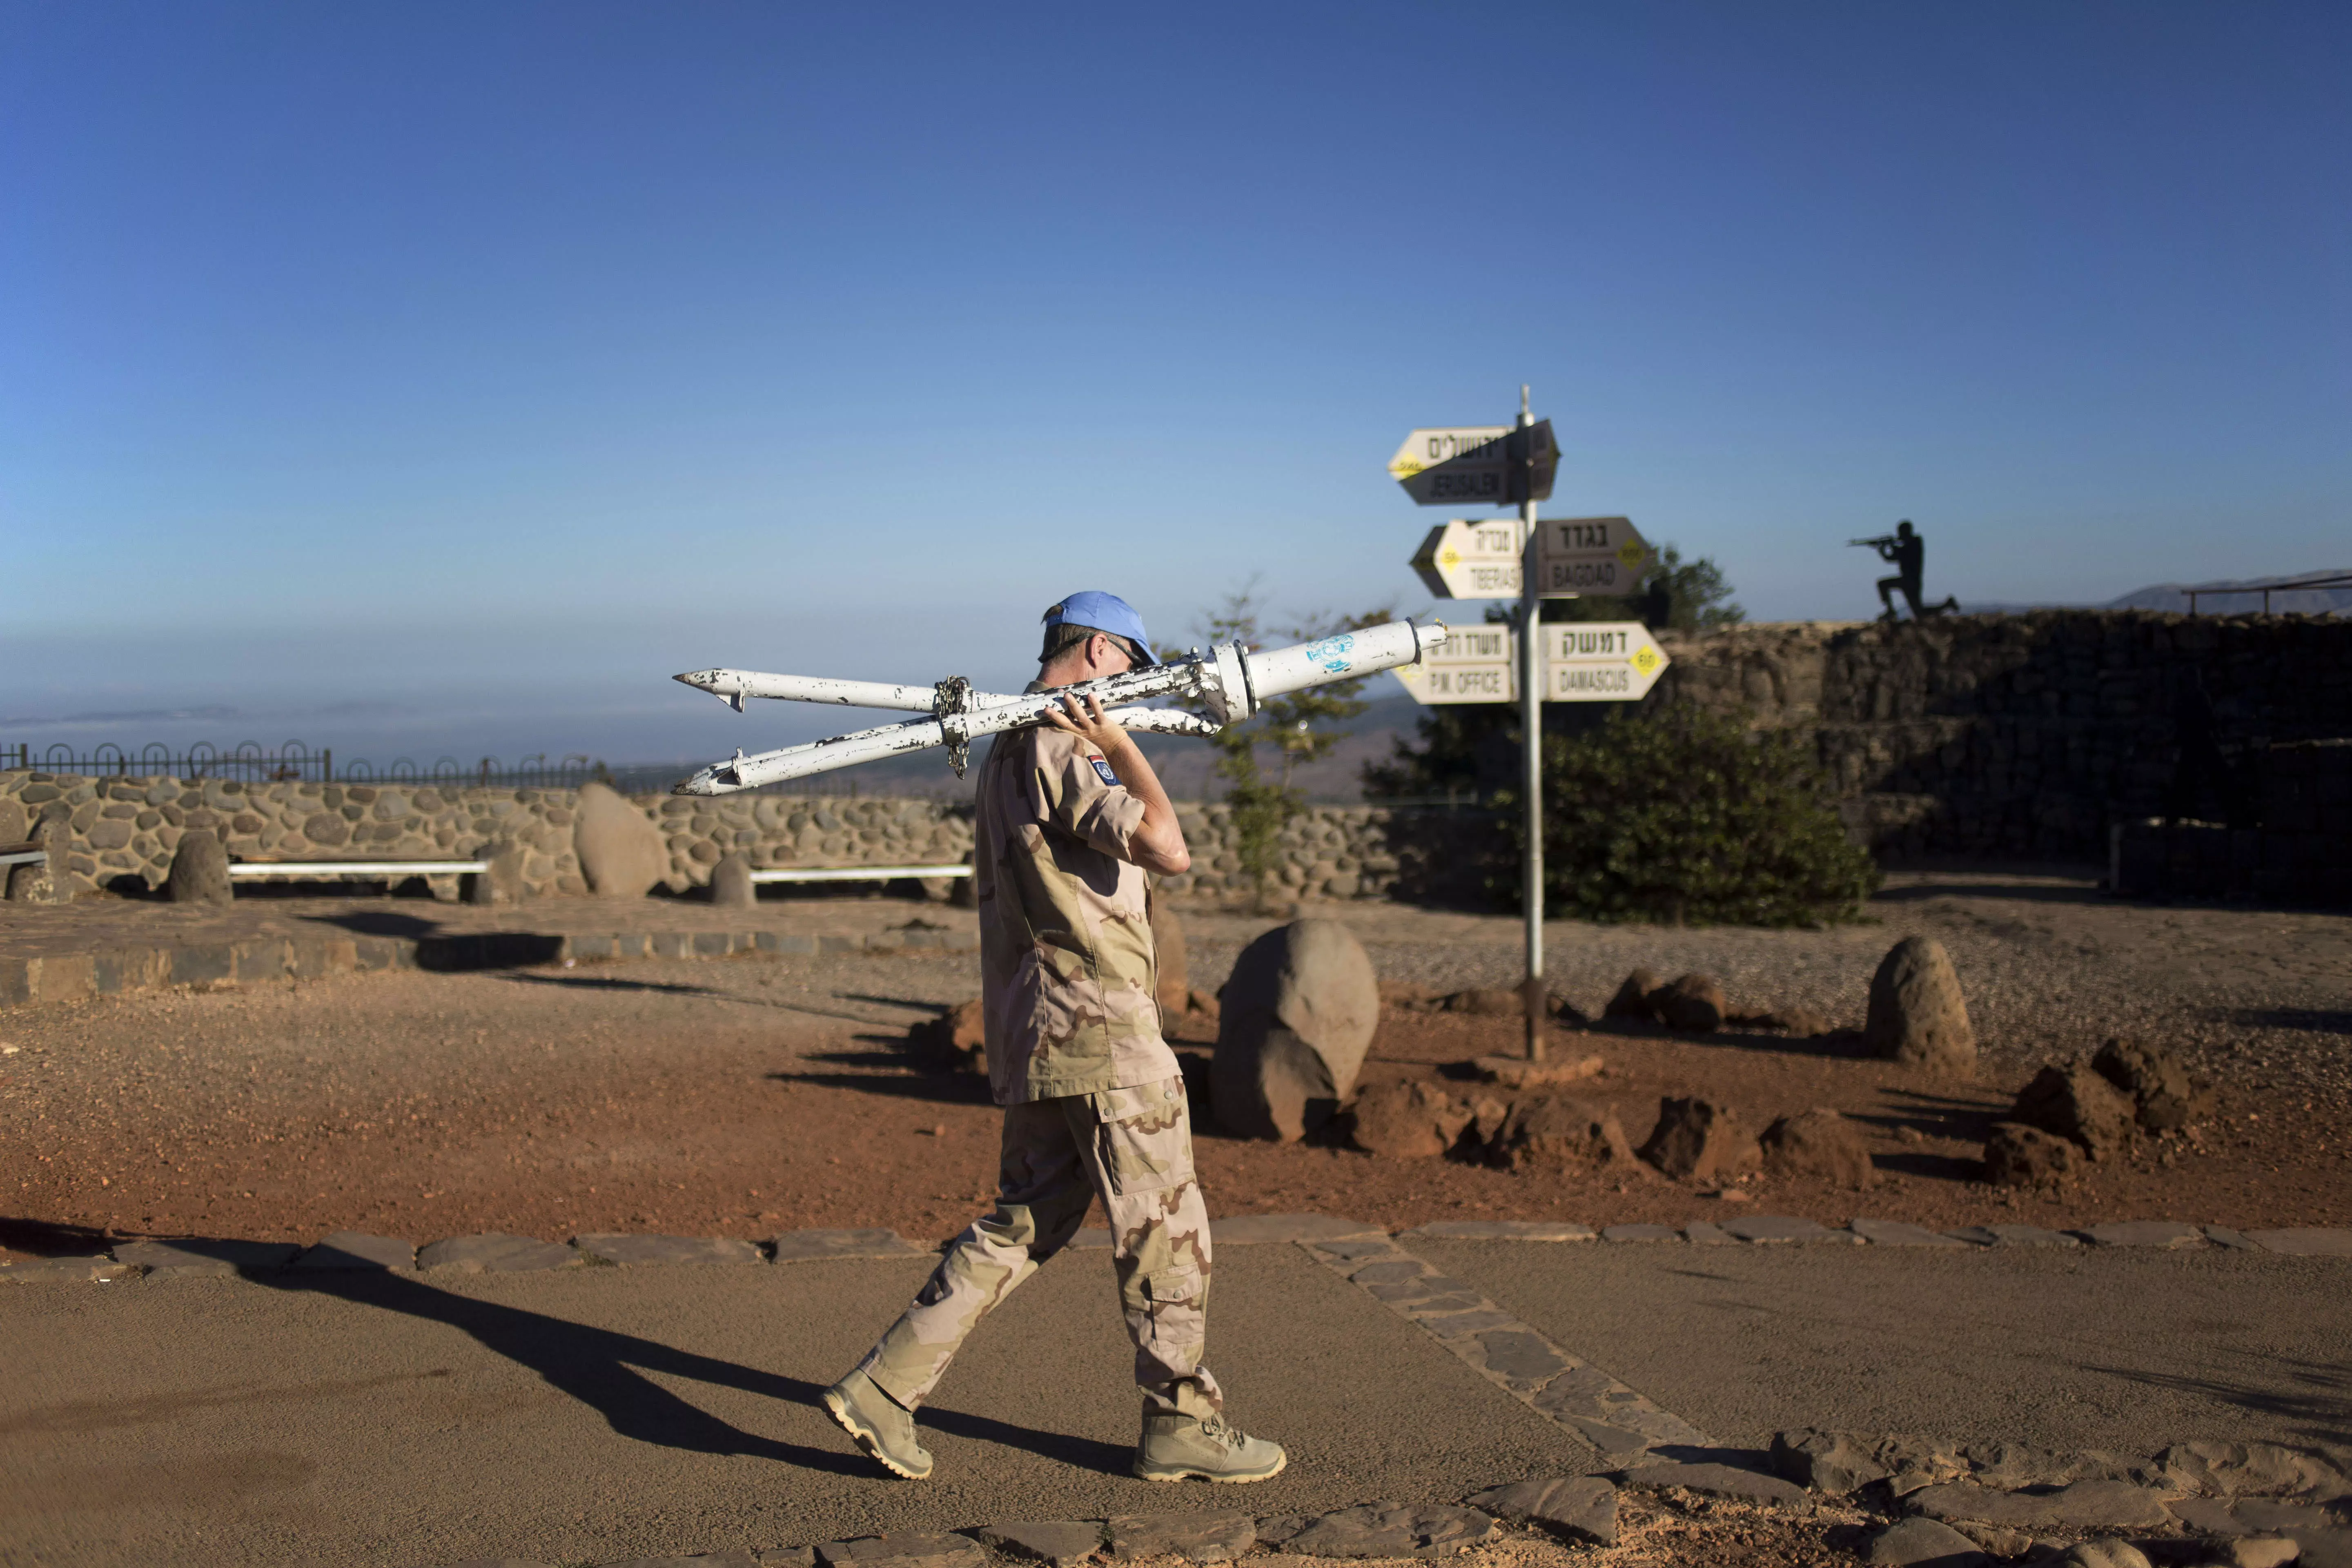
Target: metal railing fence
(296, 762)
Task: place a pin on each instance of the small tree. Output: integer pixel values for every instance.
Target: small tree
(1294, 723)
(1687, 815)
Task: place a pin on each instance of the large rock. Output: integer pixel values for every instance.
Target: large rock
(1635, 999)
(1698, 1141)
(1408, 1120)
(1555, 1134)
(1820, 1143)
(1298, 1013)
(621, 852)
(2075, 1103)
(730, 882)
(503, 882)
(199, 870)
(1175, 968)
(956, 1040)
(1917, 1014)
(1581, 1507)
(2016, 1155)
(2165, 1099)
(1835, 1463)
(1693, 1005)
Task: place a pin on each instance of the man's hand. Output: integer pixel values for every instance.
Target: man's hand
(1158, 844)
(1089, 723)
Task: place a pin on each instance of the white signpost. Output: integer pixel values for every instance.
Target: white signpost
(1507, 465)
(1473, 560)
(1581, 555)
(1584, 661)
(1479, 465)
(1600, 661)
(1474, 664)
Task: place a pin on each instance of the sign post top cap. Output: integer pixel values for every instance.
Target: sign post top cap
(1102, 612)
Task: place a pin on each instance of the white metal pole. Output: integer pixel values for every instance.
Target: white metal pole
(1531, 674)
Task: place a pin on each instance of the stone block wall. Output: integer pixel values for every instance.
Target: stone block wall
(130, 827)
(2024, 735)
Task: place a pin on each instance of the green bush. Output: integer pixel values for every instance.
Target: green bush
(1684, 815)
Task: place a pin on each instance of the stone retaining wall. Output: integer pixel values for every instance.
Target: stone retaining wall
(129, 827)
(2017, 735)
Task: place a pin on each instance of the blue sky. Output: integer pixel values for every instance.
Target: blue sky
(446, 376)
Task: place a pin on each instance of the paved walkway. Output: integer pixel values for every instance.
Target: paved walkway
(589, 1414)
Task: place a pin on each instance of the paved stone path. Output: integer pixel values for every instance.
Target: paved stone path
(587, 1412)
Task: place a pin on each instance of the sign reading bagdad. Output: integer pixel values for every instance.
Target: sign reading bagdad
(1584, 661)
(1579, 555)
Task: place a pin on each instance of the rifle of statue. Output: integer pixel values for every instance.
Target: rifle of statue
(1229, 682)
(1878, 543)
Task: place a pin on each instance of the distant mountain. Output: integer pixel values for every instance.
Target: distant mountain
(2173, 598)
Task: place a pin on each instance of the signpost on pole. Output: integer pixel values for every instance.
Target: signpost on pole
(1531, 694)
(1463, 559)
(1583, 661)
(1523, 660)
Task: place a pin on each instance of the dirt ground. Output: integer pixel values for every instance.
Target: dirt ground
(749, 1095)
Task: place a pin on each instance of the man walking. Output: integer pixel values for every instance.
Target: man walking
(1068, 817)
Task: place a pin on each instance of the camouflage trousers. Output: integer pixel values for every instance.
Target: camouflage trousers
(1132, 1148)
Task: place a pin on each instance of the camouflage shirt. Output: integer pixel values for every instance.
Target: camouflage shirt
(1067, 970)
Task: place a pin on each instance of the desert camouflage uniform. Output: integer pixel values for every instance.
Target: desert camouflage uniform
(1093, 1105)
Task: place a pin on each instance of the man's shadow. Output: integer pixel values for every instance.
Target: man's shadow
(607, 1371)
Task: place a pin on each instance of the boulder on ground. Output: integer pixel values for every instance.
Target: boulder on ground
(1799, 1023)
(2016, 1155)
(1917, 1014)
(1635, 998)
(2165, 1099)
(1492, 1002)
(199, 872)
(1409, 996)
(1834, 1463)
(1551, 1132)
(1408, 1120)
(1298, 1013)
(2075, 1103)
(1694, 1005)
(730, 882)
(1175, 987)
(1820, 1143)
(621, 852)
(957, 1040)
(1698, 1141)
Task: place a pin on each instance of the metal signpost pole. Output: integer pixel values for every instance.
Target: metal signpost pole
(1532, 695)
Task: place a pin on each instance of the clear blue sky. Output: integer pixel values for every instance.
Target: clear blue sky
(448, 375)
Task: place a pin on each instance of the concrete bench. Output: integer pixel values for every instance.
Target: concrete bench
(28, 853)
(442, 877)
(857, 873)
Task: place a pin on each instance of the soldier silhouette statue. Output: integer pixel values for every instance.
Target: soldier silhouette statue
(1906, 550)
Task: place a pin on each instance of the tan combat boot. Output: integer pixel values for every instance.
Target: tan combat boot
(883, 1427)
(1176, 1447)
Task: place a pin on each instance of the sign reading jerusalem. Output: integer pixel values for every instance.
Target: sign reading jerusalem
(1478, 464)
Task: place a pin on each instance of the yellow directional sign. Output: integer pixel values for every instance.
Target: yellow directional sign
(1461, 560)
(1578, 555)
(1600, 661)
(1584, 661)
(1477, 464)
(1474, 664)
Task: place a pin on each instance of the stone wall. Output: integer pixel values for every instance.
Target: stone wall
(129, 829)
(2027, 735)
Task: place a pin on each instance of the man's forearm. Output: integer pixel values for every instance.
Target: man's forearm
(1159, 841)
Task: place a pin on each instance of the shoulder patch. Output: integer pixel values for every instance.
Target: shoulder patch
(1102, 771)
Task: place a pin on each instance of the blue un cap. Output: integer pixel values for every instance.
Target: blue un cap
(1103, 612)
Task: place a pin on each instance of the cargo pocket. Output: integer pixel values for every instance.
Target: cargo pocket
(1177, 1320)
(1143, 1136)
